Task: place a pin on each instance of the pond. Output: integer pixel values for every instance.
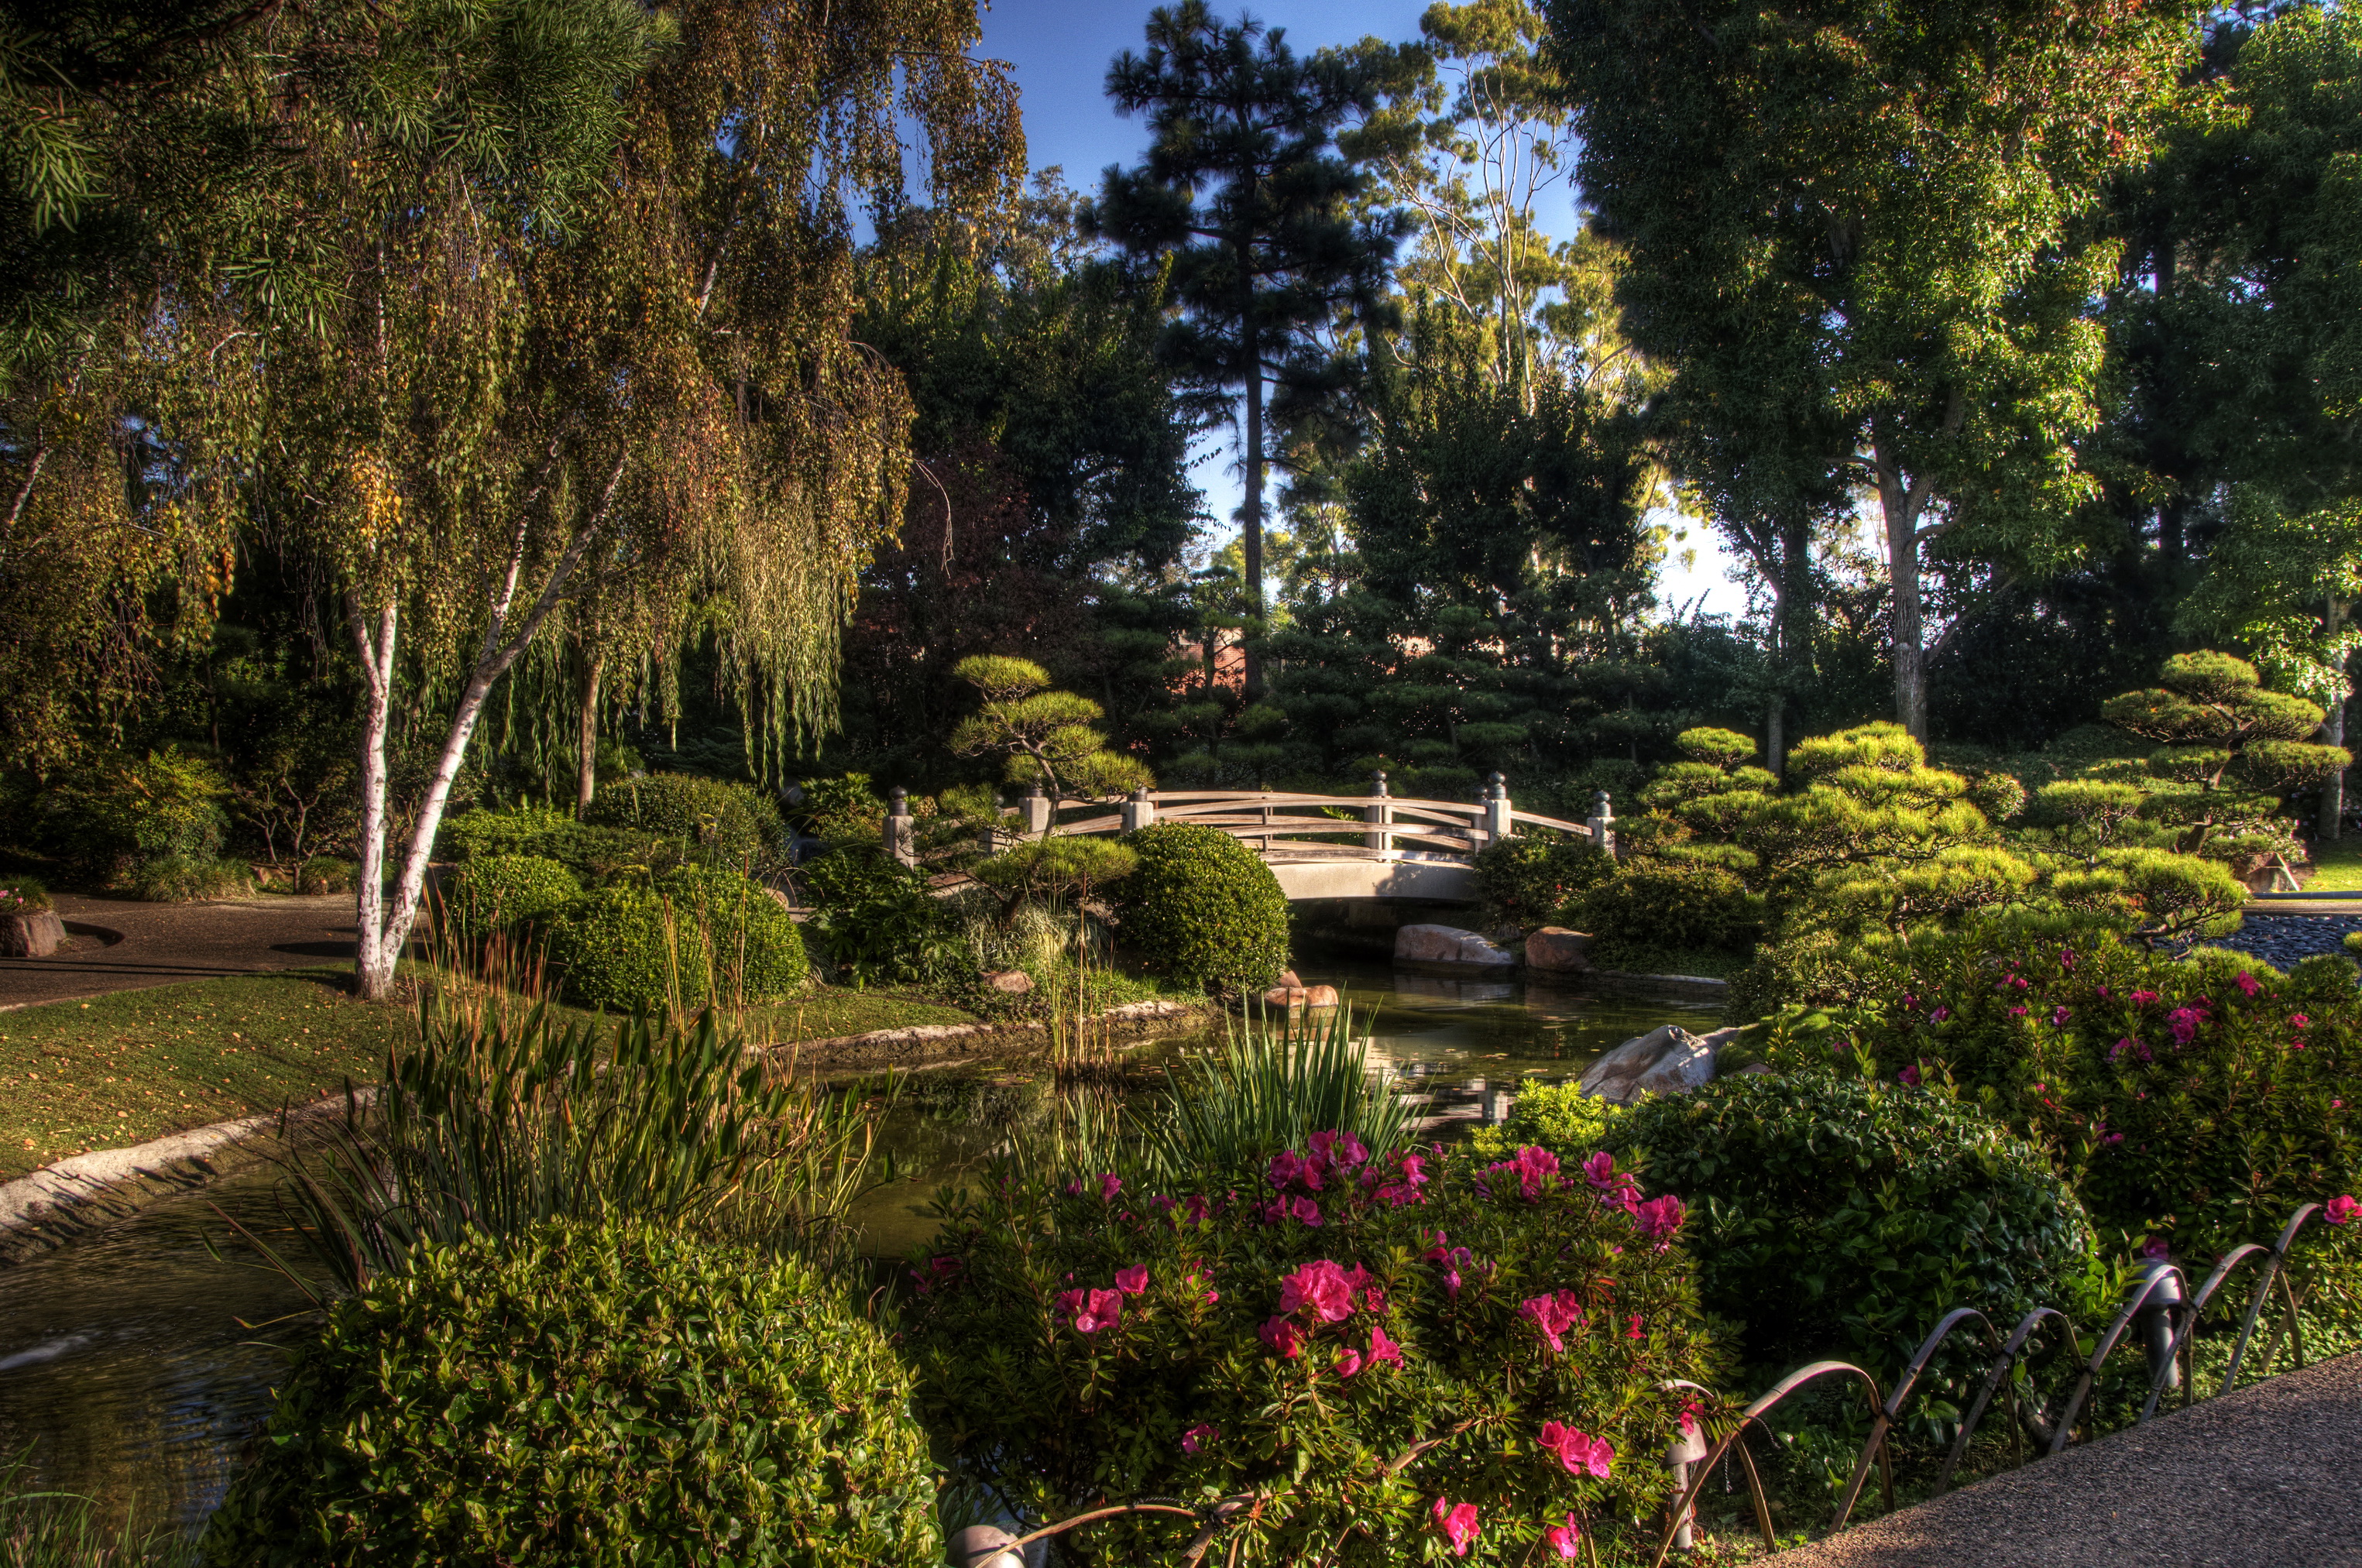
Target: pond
(134, 1362)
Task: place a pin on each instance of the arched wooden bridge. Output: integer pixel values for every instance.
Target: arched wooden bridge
(1336, 847)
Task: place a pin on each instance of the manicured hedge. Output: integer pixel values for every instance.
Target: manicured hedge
(733, 824)
(504, 892)
(1202, 909)
(594, 1396)
(694, 935)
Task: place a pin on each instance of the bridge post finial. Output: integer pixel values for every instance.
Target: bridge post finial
(1037, 811)
(1499, 824)
(1378, 812)
(1378, 782)
(1139, 812)
(1602, 824)
(900, 844)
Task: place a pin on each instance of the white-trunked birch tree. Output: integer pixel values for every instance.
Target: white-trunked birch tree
(647, 399)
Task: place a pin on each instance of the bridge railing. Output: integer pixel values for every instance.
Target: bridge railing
(1288, 825)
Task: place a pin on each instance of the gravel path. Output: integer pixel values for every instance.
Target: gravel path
(2283, 940)
(2268, 1477)
(165, 943)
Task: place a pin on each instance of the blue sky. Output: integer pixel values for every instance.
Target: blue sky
(1060, 48)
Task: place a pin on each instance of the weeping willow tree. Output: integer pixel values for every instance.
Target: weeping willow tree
(627, 417)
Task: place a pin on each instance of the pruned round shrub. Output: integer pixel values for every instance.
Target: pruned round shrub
(591, 852)
(189, 879)
(326, 874)
(1526, 880)
(124, 811)
(1835, 1217)
(1559, 1117)
(519, 830)
(1377, 1350)
(1202, 909)
(504, 892)
(695, 935)
(590, 1396)
(733, 824)
(1655, 908)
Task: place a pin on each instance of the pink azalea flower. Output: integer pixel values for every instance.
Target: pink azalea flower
(2141, 999)
(1341, 1150)
(1322, 1286)
(2339, 1211)
(1110, 1184)
(1349, 1362)
(1282, 1335)
(1374, 1299)
(1909, 1000)
(1577, 1450)
(2128, 1044)
(1634, 1333)
(1132, 1281)
(1688, 1421)
(1910, 1076)
(1564, 1537)
(1091, 1310)
(1285, 1166)
(2154, 1248)
(1075, 1187)
(1660, 1216)
(1552, 1315)
(1600, 1169)
(2184, 1021)
(1383, 1348)
(1306, 1210)
(2018, 1012)
(1939, 1015)
(939, 1271)
(2059, 1016)
(2299, 1021)
(1197, 1208)
(2247, 984)
(1198, 1437)
(1458, 1524)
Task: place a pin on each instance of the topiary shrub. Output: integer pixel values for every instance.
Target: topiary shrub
(1559, 1117)
(592, 854)
(1650, 910)
(590, 1396)
(187, 879)
(520, 830)
(694, 935)
(732, 825)
(326, 874)
(1524, 881)
(1380, 1353)
(1835, 1217)
(1202, 909)
(502, 892)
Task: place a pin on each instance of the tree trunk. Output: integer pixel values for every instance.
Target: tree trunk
(375, 978)
(2333, 733)
(1791, 621)
(1250, 525)
(586, 781)
(1901, 506)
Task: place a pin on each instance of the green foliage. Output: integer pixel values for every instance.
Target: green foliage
(1046, 737)
(326, 874)
(731, 824)
(123, 810)
(1834, 1217)
(844, 807)
(1054, 869)
(1559, 1117)
(2180, 1097)
(689, 936)
(1202, 909)
(591, 853)
(878, 922)
(44, 1529)
(188, 878)
(23, 893)
(595, 1395)
(1653, 907)
(1527, 880)
(1270, 1086)
(1049, 1367)
(504, 892)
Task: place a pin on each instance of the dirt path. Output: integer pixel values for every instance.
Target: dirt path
(164, 943)
(2261, 1478)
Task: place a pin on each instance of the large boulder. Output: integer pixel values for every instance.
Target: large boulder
(1300, 996)
(31, 933)
(1448, 947)
(1558, 951)
(1666, 1060)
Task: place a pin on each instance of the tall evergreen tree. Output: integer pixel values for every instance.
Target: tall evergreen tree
(1244, 190)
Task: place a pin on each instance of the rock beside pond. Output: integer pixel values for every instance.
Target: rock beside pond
(1558, 951)
(1667, 1060)
(1010, 982)
(1447, 944)
(33, 934)
(1294, 997)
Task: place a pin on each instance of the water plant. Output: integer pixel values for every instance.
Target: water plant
(42, 1528)
(1270, 1086)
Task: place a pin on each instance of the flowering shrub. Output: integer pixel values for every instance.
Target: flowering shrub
(1394, 1358)
(1837, 1217)
(23, 893)
(2201, 1099)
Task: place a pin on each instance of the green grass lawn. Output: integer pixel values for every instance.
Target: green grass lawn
(2339, 866)
(124, 1069)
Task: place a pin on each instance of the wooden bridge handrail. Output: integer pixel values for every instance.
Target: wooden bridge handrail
(1202, 798)
(1539, 820)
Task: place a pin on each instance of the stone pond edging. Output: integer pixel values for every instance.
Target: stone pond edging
(930, 1043)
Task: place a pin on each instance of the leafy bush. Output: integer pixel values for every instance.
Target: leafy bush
(502, 892)
(520, 830)
(1527, 880)
(1301, 1330)
(694, 935)
(1653, 907)
(1559, 1117)
(1202, 909)
(878, 924)
(591, 853)
(326, 874)
(591, 1396)
(2200, 1100)
(125, 810)
(181, 879)
(1833, 1216)
(733, 824)
(23, 893)
(843, 808)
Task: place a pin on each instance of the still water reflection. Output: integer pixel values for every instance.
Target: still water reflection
(127, 1370)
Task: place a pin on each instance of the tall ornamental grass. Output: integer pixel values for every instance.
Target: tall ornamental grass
(1271, 1086)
